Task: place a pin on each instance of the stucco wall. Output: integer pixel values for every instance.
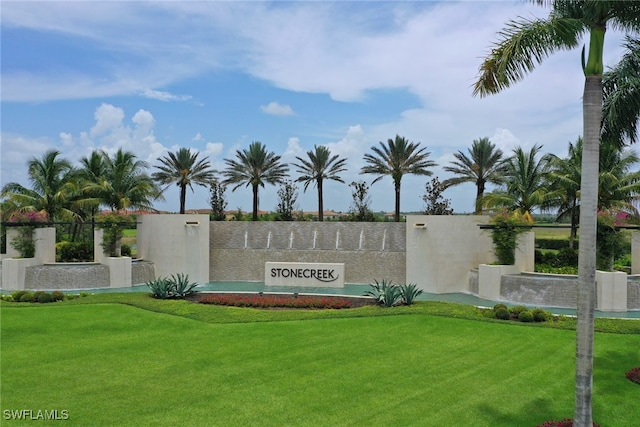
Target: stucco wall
(442, 249)
(176, 244)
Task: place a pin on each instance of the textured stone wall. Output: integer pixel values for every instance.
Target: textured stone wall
(90, 276)
(549, 291)
(67, 277)
(633, 295)
(370, 251)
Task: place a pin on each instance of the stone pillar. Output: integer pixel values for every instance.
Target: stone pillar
(525, 252)
(45, 241)
(635, 252)
(489, 279)
(611, 290)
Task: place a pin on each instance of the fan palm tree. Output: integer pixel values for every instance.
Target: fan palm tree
(124, 183)
(565, 175)
(255, 167)
(483, 165)
(184, 169)
(526, 189)
(320, 166)
(51, 187)
(396, 158)
(524, 44)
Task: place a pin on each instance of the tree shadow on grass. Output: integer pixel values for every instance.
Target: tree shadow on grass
(536, 412)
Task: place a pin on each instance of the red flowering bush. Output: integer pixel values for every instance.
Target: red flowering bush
(634, 375)
(28, 217)
(567, 422)
(276, 301)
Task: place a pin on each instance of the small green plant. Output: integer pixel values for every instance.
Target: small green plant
(385, 293)
(517, 309)
(160, 288)
(113, 225)
(57, 296)
(408, 293)
(23, 242)
(503, 314)
(525, 316)
(505, 231)
(26, 297)
(500, 305)
(540, 315)
(182, 287)
(42, 297)
(177, 286)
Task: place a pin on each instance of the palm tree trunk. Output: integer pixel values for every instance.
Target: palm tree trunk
(183, 197)
(320, 202)
(479, 194)
(592, 112)
(396, 216)
(255, 202)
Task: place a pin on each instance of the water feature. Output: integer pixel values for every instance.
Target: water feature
(291, 240)
(361, 241)
(337, 240)
(315, 238)
(384, 239)
(269, 240)
(359, 290)
(246, 239)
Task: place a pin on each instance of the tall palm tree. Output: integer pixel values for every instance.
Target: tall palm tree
(525, 183)
(184, 169)
(51, 186)
(483, 165)
(524, 44)
(565, 175)
(320, 166)
(396, 158)
(254, 167)
(124, 183)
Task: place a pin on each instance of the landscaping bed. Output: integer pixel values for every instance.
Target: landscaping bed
(281, 301)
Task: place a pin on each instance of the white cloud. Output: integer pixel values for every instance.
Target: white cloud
(277, 109)
(107, 119)
(164, 96)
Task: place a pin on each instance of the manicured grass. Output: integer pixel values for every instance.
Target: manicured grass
(126, 359)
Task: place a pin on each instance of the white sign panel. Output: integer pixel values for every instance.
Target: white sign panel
(321, 275)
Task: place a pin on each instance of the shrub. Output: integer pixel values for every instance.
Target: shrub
(540, 315)
(517, 309)
(26, 297)
(8, 298)
(160, 288)
(182, 287)
(567, 422)
(385, 293)
(634, 375)
(57, 296)
(503, 314)
(16, 295)
(500, 305)
(125, 250)
(43, 297)
(408, 293)
(177, 286)
(525, 316)
(505, 231)
(74, 251)
(281, 301)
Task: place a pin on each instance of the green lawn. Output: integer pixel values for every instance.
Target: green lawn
(173, 363)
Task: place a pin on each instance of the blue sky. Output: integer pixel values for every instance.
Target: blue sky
(152, 77)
